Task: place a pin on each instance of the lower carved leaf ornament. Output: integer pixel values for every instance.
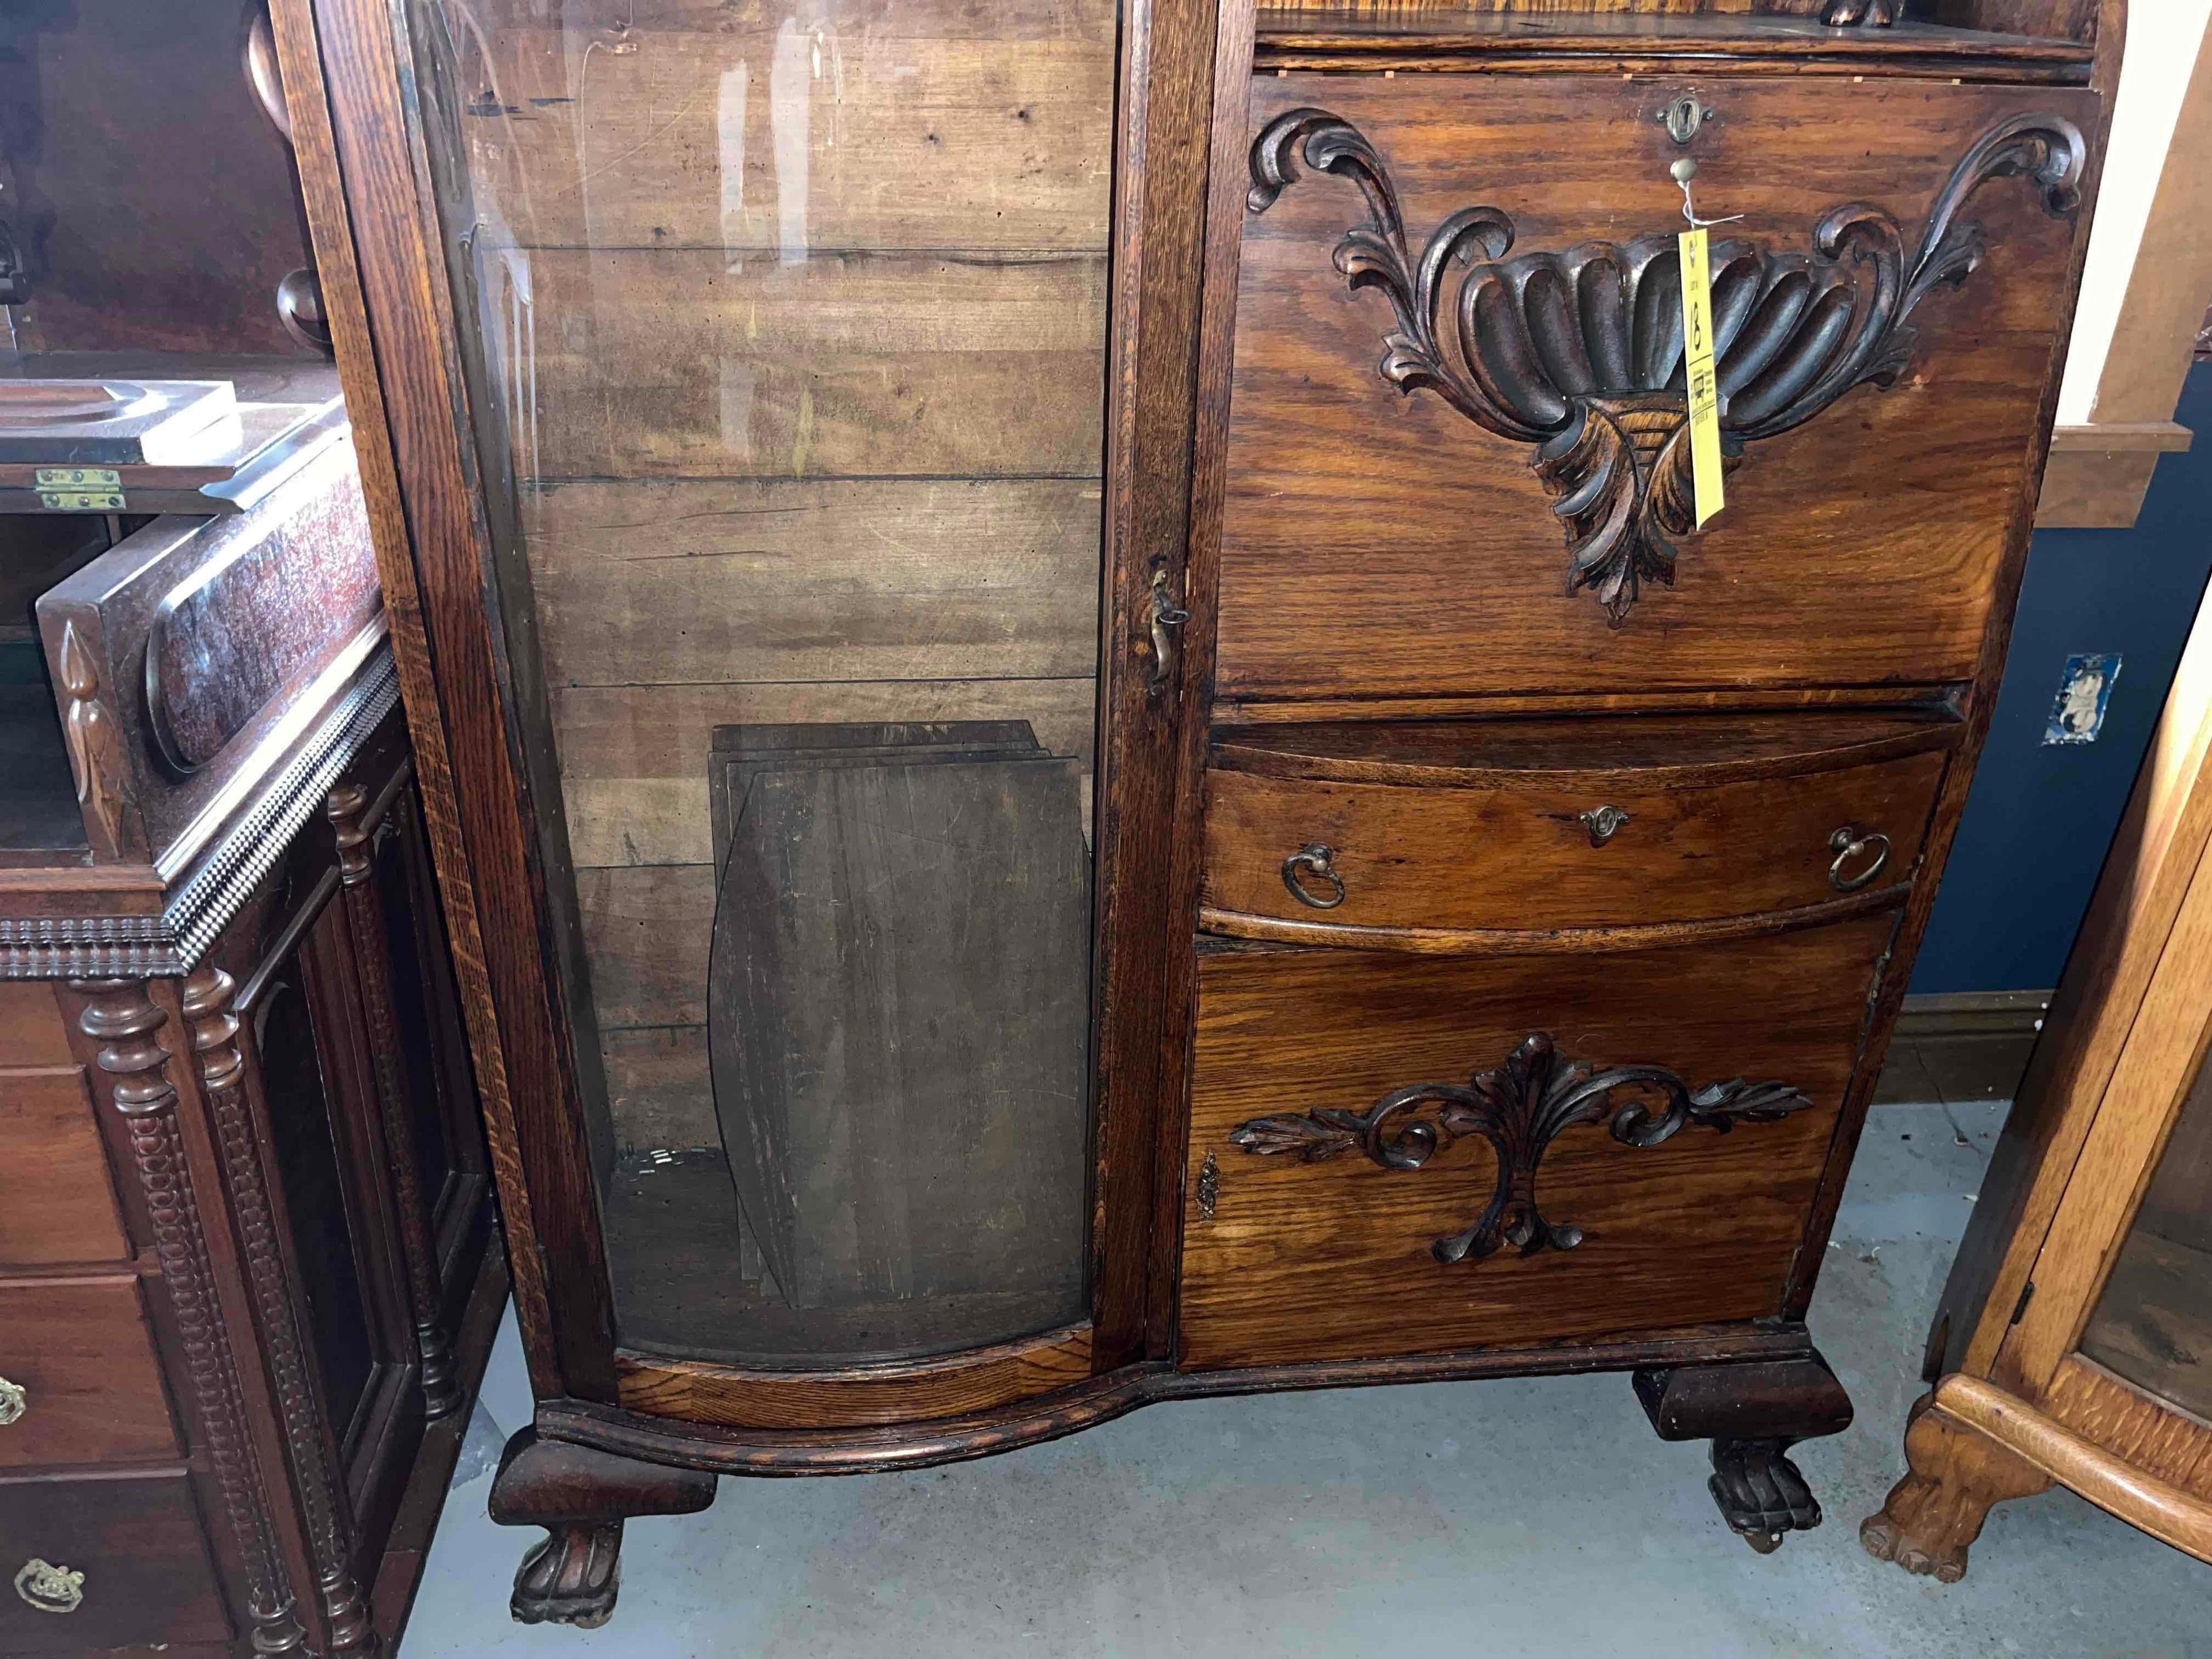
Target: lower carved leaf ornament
(1579, 353)
(1519, 1108)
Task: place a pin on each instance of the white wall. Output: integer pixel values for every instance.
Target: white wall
(2163, 39)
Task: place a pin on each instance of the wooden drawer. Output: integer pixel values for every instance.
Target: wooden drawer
(138, 1543)
(1299, 1245)
(80, 1351)
(1539, 826)
(1379, 541)
(57, 1201)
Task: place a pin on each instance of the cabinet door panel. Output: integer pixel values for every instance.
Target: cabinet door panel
(1379, 542)
(785, 349)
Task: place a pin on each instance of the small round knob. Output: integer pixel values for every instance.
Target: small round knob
(1312, 861)
(1852, 845)
(1603, 822)
(1683, 170)
(50, 1588)
(13, 1402)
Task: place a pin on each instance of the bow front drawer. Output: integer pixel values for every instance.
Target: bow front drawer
(1420, 1154)
(1445, 834)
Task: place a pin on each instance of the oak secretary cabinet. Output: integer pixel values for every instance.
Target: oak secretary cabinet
(1081, 740)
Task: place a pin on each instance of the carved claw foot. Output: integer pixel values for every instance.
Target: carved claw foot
(1753, 1412)
(571, 1578)
(1957, 1475)
(1760, 1493)
(580, 1496)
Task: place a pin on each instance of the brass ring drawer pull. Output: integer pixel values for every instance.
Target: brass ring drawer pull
(1850, 844)
(13, 1402)
(1312, 860)
(48, 1588)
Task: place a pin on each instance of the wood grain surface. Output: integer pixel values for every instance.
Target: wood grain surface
(139, 1540)
(1331, 1260)
(82, 1353)
(919, 1391)
(1525, 858)
(1370, 539)
(57, 1201)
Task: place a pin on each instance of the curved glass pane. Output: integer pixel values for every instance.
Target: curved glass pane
(786, 327)
(2154, 1323)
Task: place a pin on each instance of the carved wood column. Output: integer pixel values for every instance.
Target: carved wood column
(123, 1020)
(441, 1387)
(323, 1499)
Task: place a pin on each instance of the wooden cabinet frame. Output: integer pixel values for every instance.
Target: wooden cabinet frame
(618, 1434)
(2015, 1406)
(391, 312)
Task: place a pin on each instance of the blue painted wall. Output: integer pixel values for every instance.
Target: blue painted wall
(2041, 817)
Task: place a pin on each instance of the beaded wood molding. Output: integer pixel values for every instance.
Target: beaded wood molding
(140, 947)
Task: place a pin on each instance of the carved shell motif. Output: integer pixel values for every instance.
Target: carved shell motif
(1580, 353)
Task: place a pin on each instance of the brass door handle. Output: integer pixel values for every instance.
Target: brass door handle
(50, 1588)
(1850, 844)
(1313, 859)
(13, 1402)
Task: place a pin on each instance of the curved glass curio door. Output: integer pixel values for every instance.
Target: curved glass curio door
(2153, 1324)
(785, 323)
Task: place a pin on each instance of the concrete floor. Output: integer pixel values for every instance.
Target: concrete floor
(1537, 1515)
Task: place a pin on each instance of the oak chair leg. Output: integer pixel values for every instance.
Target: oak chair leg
(1752, 1413)
(1956, 1475)
(581, 1497)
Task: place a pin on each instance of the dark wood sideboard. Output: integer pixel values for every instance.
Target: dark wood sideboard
(248, 1273)
(1085, 745)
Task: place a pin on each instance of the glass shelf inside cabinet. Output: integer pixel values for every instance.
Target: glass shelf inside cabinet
(2153, 1324)
(785, 327)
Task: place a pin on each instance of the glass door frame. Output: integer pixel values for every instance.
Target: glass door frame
(349, 76)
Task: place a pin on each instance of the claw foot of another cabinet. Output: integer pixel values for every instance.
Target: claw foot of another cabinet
(1956, 1475)
(581, 1497)
(1753, 1412)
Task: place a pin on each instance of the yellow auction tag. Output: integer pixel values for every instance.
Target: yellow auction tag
(1705, 389)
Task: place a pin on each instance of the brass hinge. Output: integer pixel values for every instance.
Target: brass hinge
(1209, 1186)
(2026, 1296)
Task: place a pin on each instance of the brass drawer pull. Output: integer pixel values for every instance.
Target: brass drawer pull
(1603, 822)
(48, 1588)
(1313, 858)
(1850, 843)
(13, 1402)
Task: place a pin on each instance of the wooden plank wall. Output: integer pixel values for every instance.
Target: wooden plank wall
(802, 309)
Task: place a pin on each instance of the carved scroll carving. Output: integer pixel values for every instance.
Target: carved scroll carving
(357, 845)
(1520, 1108)
(347, 1618)
(123, 1020)
(1580, 353)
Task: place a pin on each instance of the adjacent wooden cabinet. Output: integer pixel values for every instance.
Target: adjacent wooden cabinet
(248, 1274)
(1083, 732)
(2073, 1341)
